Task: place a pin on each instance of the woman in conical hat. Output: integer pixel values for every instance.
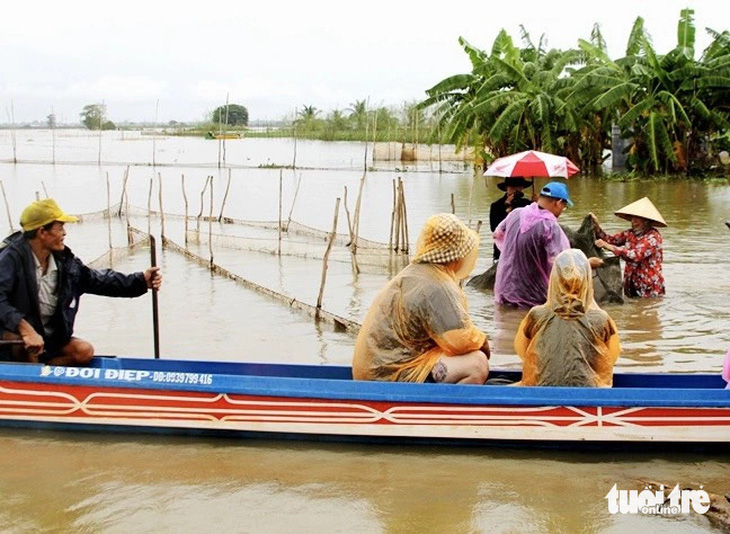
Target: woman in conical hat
(640, 247)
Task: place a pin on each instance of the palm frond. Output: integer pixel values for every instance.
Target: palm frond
(686, 33)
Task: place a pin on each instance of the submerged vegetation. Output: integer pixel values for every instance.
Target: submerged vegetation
(671, 111)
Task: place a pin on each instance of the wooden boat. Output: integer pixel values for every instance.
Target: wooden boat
(211, 135)
(323, 402)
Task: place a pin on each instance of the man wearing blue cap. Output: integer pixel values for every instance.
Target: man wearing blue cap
(529, 240)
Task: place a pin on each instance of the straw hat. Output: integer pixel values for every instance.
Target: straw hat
(444, 239)
(642, 208)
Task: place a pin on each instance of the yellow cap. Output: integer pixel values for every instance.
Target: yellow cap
(42, 212)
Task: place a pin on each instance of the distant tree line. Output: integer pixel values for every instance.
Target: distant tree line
(672, 110)
(93, 116)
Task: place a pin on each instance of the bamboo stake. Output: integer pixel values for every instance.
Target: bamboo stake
(100, 127)
(37, 196)
(185, 198)
(326, 258)
(294, 161)
(406, 240)
(45, 191)
(154, 133)
(7, 206)
(397, 200)
(109, 211)
(453, 204)
(225, 131)
(281, 180)
(347, 212)
(367, 124)
(202, 193)
(124, 190)
(225, 196)
(149, 209)
(291, 210)
(438, 127)
(479, 226)
(402, 228)
(392, 220)
(210, 224)
(356, 225)
(220, 140)
(53, 137)
(12, 132)
(162, 211)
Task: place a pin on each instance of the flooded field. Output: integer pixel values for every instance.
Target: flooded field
(152, 484)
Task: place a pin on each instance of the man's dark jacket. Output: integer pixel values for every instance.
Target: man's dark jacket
(19, 289)
(498, 213)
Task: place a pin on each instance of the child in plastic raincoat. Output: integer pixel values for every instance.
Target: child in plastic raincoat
(569, 340)
(418, 328)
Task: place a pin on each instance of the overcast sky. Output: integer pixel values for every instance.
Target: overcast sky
(274, 56)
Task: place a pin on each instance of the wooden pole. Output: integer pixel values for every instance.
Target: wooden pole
(202, 200)
(392, 218)
(149, 208)
(124, 191)
(291, 210)
(367, 124)
(210, 224)
(225, 196)
(333, 234)
(471, 195)
(162, 211)
(294, 160)
(45, 191)
(281, 180)
(225, 131)
(53, 137)
(155, 307)
(406, 239)
(347, 212)
(479, 226)
(12, 131)
(7, 206)
(154, 133)
(101, 116)
(109, 210)
(185, 199)
(453, 204)
(37, 196)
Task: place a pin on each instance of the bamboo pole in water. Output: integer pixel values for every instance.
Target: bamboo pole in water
(124, 191)
(225, 131)
(392, 219)
(37, 196)
(162, 211)
(479, 226)
(12, 131)
(210, 224)
(7, 206)
(185, 199)
(154, 133)
(291, 210)
(45, 191)
(406, 239)
(471, 196)
(453, 204)
(367, 124)
(294, 160)
(333, 234)
(356, 225)
(398, 215)
(225, 196)
(281, 180)
(200, 213)
(347, 212)
(149, 208)
(53, 137)
(109, 211)
(101, 116)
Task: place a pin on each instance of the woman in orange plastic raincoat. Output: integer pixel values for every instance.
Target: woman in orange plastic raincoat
(569, 340)
(418, 328)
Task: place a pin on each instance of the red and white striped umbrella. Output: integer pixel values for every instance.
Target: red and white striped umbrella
(532, 163)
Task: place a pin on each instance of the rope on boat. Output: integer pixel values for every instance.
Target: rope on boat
(340, 323)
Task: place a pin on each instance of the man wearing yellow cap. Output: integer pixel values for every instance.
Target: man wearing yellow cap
(41, 282)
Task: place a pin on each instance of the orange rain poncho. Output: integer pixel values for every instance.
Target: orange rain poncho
(569, 340)
(422, 313)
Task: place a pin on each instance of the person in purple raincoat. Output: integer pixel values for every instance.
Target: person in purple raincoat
(529, 240)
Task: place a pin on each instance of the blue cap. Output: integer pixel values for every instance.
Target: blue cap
(557, 190)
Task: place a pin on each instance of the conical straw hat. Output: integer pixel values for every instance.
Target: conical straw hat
(642, 208)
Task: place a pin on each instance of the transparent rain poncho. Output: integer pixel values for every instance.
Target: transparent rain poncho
(569, 340)
(421, 314)
(529, 239)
